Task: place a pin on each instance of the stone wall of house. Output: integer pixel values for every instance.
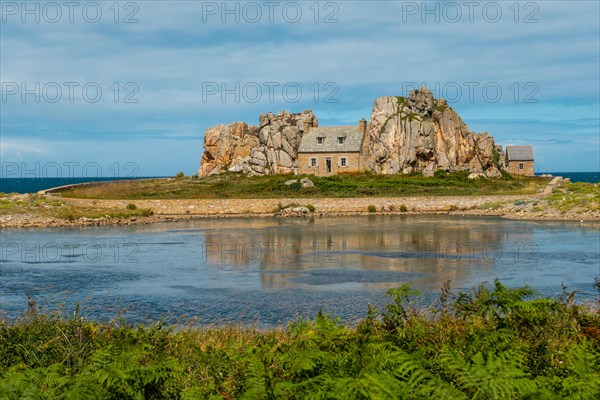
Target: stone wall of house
(528, 168)
(304, 167)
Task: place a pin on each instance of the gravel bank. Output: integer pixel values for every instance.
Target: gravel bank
(531, 207)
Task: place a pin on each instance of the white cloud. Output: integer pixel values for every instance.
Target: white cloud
(372, 51)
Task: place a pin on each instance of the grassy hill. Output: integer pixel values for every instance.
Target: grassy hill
(344, 185)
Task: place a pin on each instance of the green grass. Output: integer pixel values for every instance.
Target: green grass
(43, 206)
(578, 196)
(492, 343)
(344, 185)
(491, 205)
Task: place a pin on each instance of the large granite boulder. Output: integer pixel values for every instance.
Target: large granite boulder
(225, 145)
(493, 172)
(270, 148)
(420, 133)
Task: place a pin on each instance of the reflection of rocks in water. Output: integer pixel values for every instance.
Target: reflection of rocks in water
(341, 276)
(338, 264)
(434, 248)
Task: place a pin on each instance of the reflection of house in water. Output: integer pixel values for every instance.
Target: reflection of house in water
(437, 249)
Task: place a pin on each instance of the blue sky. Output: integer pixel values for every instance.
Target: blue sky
(526, 72)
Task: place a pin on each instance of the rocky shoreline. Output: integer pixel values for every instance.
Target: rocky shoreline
(529, 207)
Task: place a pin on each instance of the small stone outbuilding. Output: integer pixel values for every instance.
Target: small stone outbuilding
(331, 150)
(519, 160)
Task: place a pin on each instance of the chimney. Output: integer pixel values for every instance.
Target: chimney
(362, 126)
(306, 127)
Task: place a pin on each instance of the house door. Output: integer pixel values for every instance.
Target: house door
(328, 165)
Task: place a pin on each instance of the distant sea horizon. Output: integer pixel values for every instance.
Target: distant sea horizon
(33, 185)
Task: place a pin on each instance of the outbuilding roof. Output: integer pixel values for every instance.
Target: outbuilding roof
(330, 134)
(519, 153)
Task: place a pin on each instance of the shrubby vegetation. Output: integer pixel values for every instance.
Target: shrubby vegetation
(231, 185)
(578, 196)
(492, 343)
(44, 206)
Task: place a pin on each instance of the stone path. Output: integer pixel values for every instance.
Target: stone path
(240, 207)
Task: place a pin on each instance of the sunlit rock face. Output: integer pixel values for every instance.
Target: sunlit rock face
(420, 133)
(409, 134)
(270, 148)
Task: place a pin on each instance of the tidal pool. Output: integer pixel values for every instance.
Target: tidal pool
(270, 271)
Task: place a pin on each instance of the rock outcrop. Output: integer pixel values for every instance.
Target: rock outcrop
(270, 148)
(420, 133)
(409, 134)
(225, 144)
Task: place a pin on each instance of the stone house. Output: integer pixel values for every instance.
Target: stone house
(331, 150)
(519, 160)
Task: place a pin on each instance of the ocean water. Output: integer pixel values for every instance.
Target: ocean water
(269, 271)
(593, 177)
(32, 185)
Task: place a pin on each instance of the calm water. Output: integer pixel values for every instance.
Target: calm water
(32, 185)
(269, 271)
(592, 177)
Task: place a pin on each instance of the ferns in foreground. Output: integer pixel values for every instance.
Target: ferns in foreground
(492, 343)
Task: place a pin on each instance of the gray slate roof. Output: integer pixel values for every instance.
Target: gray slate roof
(519, 153)
(330, 144)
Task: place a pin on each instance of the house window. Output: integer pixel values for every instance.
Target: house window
(320, 140)
(313, 162)
(343, 162)
(521, 165)
(341, 140)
